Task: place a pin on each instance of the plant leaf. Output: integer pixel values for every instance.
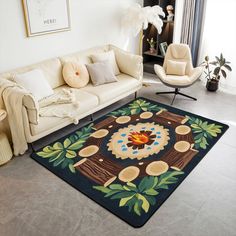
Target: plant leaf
(123, 201)
(70, 154)
(145, 203)
(151, 200)
(72, 168)
(102, 189)
(146, 183)
(58, 161)
(48, 154)
(123, 194)
(228, 67)
(78, 144)
(67, 143)
(116, 187)
(151, 192)
(57, 146)
(137, 207)
(223, 73)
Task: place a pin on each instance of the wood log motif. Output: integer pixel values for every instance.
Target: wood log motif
(95, 172)
(172, 117)
(187, 137)
(107, 164)
(169, 119)
(105, 122)
(184, 133)
(178, 160)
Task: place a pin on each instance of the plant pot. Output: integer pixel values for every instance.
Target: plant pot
(212, 85)
(152, 50)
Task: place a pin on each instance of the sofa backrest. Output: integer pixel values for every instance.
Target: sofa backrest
(84, 56)
(51, 69)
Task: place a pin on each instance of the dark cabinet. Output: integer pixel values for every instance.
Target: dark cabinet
(166, 36)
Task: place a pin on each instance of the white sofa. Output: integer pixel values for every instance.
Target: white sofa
(90, 98)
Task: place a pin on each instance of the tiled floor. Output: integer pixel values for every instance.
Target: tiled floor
(34, 202)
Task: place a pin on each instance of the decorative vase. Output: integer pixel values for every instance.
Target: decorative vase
(212, 85)
(152, 50)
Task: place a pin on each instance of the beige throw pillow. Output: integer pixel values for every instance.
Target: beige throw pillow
(101, 73)
(75, 75)
(175, 68)
(107, 56)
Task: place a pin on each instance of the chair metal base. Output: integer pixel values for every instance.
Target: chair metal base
(176, 92)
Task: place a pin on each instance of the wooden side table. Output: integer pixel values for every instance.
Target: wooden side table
(5, 148)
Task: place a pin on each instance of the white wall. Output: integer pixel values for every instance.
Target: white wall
(93, 22)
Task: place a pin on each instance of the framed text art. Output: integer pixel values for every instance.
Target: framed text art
(46, 16)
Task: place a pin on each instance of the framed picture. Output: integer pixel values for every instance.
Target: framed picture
(46, 16)
(163, 47)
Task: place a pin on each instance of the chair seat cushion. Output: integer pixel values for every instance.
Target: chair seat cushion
(174, 80)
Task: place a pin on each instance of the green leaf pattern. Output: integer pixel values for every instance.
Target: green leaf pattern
(203, 131)
(136, 107)
(139, 198)
(63, 153)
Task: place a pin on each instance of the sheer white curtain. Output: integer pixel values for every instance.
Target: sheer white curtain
(219, 35)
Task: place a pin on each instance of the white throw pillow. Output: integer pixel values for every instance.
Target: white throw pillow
(175, 68)
(35, 82)
(107, 56)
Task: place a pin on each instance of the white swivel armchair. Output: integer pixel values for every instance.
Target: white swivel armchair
(177, 71)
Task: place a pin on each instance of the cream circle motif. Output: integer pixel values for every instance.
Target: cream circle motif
(182, 146)
(88, 151)
(123, 119)
(146, 115)
(138, 141)
(182, 129)
(100, 133)
(157, 168)
(129, 173)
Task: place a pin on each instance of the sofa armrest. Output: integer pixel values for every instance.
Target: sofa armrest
(129, 63)
(32, 107)
(28, 101)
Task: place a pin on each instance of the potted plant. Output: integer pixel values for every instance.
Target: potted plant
(152, 44)
(214, 70)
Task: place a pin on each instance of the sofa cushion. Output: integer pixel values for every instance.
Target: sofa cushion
(75, 75)
(110, 91)
(86, 102)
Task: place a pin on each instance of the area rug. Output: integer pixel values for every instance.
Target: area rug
(132, 159)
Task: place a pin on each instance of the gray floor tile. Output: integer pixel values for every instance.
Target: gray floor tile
(35, 202)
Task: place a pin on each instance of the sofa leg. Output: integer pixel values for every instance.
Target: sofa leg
(135, 95)
(32, 147)
(91, 117)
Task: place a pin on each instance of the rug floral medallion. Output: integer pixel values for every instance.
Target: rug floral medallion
(131, 160)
